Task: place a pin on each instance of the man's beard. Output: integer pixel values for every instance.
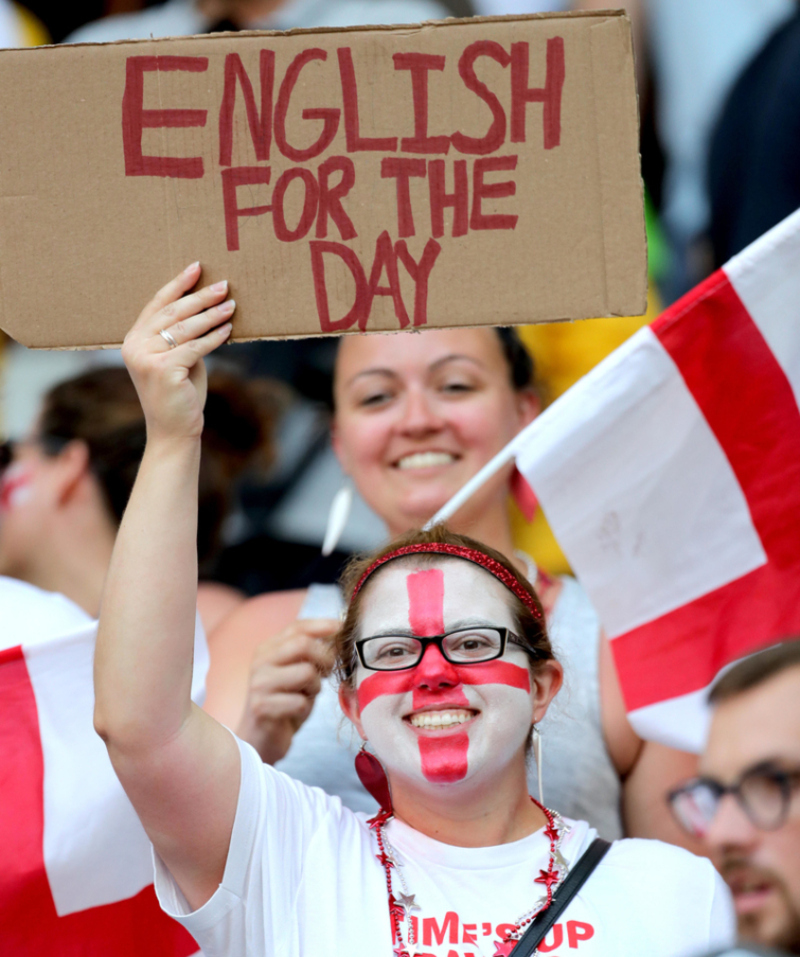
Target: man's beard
(765, 926)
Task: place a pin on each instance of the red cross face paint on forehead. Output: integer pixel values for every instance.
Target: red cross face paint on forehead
(426, 602)
(449, 716)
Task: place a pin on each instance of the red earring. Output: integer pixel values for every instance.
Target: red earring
(372, 775)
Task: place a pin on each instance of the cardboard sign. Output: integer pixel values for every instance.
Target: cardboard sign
(467, 172)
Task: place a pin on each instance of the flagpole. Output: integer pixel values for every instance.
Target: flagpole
(503, 457)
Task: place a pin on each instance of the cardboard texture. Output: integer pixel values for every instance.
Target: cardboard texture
(467, 172)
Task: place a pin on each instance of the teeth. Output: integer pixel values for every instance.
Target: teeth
(440, 719)
(425, 460)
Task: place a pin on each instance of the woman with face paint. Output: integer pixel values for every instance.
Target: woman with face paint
(64, 487)
(446, 666)
(416, 416)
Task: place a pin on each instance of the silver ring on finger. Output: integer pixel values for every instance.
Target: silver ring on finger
(167, 336)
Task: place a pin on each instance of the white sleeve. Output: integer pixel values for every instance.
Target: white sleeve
(276, 820)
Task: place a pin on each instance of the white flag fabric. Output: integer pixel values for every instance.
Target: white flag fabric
(671, 478)
(76, 868)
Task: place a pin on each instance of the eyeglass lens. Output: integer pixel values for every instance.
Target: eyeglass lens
(763, 795)
(394, 652)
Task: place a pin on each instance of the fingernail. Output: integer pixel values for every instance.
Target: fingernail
(229, 304)
(192, 267)
(226, 328)
(220, 286)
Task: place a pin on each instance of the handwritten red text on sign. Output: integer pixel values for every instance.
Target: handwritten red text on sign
(325, 175)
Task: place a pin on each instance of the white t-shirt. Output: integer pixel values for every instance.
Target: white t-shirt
(302, 880)
(29, 615)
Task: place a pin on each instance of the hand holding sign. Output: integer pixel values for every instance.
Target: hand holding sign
(171, 378)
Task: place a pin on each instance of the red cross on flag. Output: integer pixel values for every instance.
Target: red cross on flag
(76, 870)
(671, 478)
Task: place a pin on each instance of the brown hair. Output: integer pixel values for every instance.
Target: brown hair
(756, 669)
(101, 409)
(531, 629)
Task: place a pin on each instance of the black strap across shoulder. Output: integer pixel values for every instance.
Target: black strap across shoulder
(576, 878)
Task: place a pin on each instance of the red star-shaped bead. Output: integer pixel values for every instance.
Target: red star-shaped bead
(551, 832)
(385, 860)
(400, 951)
(504, 948)
(396, 910)
(548, 878)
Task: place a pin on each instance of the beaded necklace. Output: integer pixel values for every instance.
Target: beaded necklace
(401, 906)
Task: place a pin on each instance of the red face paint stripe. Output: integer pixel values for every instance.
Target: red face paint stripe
(444, 760)
(384, 682)
(400, 682)
(496, 673)
(426, 602)
(11, 483)
(440, 698)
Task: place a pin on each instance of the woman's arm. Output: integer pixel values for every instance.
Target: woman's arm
(648, 770)
(178, 766)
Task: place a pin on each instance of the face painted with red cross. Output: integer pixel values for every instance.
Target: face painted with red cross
(442, 723)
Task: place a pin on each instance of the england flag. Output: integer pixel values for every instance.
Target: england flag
(671, 478)
(76, 871)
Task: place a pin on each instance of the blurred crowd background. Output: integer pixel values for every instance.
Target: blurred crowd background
(719, 84)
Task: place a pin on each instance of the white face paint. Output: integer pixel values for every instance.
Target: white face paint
(441, 723)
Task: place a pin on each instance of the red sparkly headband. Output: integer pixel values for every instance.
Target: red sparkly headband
(502, 574)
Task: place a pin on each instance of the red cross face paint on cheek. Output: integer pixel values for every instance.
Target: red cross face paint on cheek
(15, 487)
(448, 713)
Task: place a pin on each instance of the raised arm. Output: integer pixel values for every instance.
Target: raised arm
(179, 767)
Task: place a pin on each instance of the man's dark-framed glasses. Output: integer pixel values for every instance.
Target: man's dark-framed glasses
(465, 646)
(764, 793)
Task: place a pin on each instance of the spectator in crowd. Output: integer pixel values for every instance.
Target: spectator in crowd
(746, 804)
(252, 861)
(417, 414)
(754, 172)
(185, 17)
(64, 489)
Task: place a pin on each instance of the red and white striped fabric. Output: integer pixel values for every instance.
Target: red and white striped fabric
(76, 870)
(671, 478)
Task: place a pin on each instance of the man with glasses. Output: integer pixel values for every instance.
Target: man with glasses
(746, 804)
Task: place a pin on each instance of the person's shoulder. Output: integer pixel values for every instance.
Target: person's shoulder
(173, 18)
(270, 612)
(664, 864)
(215, 601)
(263, 785)
(31, 615)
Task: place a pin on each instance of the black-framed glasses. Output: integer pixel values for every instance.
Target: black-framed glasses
(464, 646)
(764, 793)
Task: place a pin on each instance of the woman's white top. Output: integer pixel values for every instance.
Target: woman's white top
(302, 880)
(579, 780)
